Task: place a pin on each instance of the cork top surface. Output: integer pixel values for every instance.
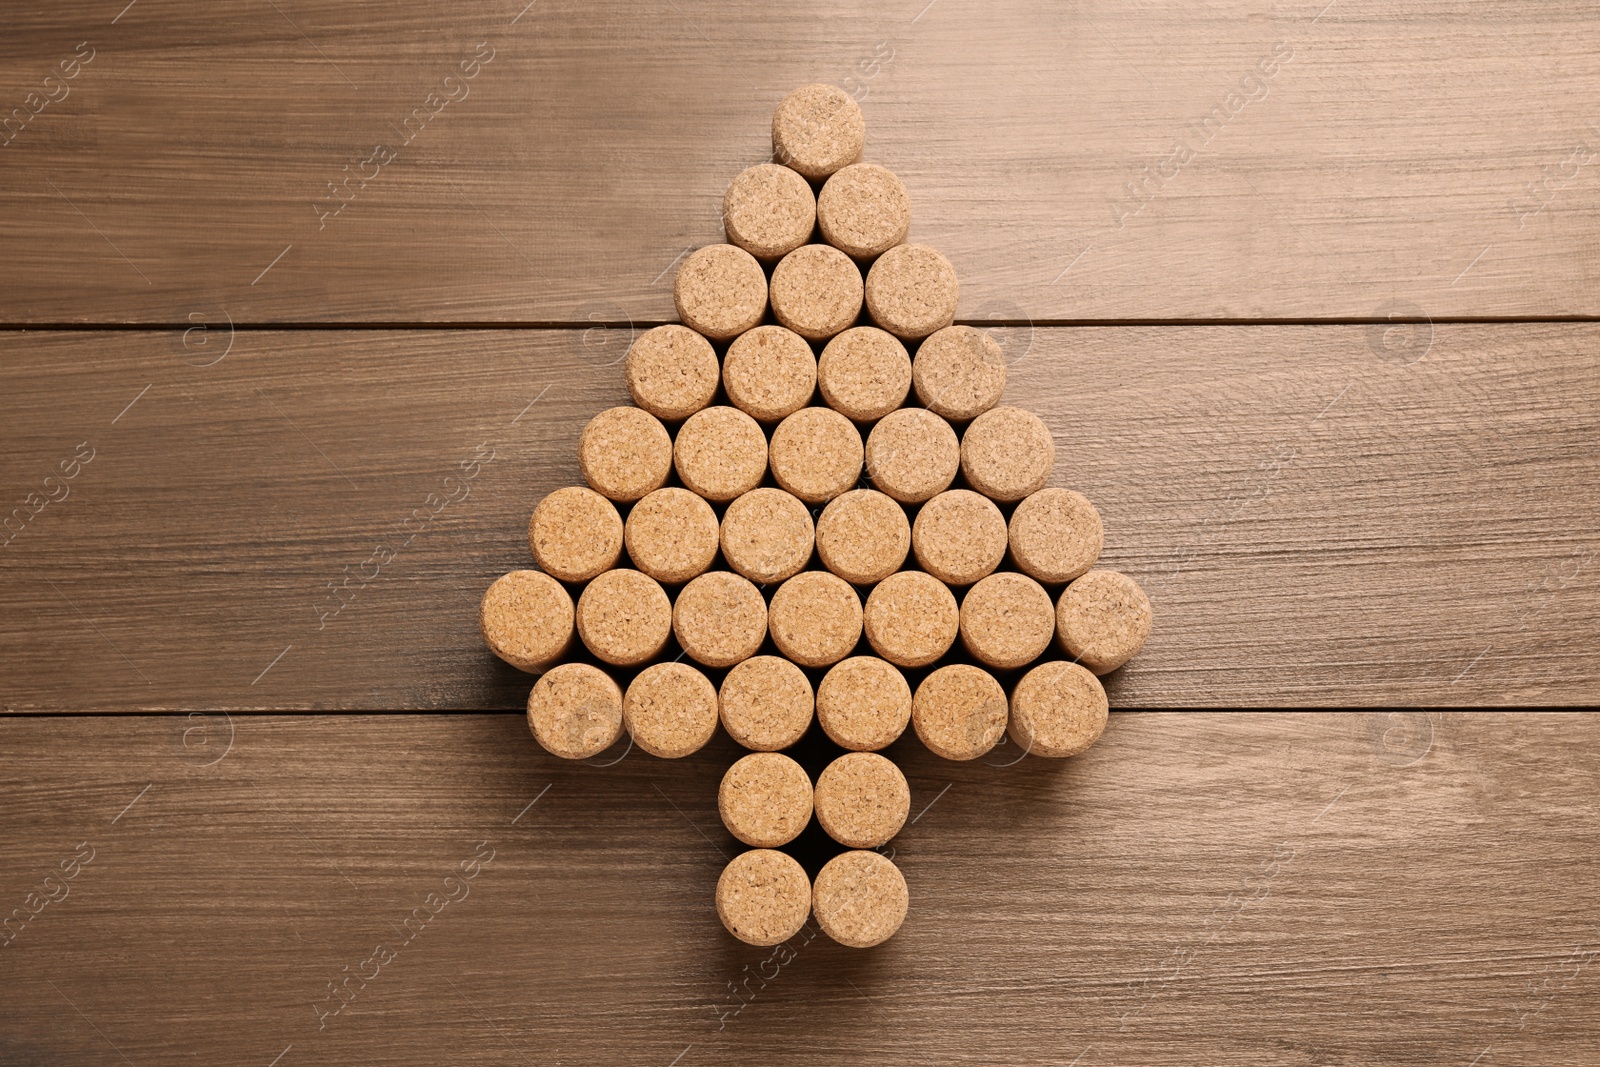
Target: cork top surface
(575, 711)
(864, 210)
(816, 454)
(624, 617)
(959, 711)
(670, 709)
(911, 618)
(766, 703)
(720, 618)
(672, 535)
(765, 799)
(1007, 453)
(1055, 535)
(815, 618)
(624, 453)
(763, 897)
(672, 372)
(720, 453)
(911, 291)
(862, 800)
(816, 291)
(768, 210)
(1103, 619)
(860, 899)
(912, 455)
(1007, 620)
(767, 535)
(863, 536)
(959, 537)
(720, 291)
(863, 704)
(575, 533)
(526, 618)
(818, 129)
(1058, 710)
(769, 372)
(864, 373)
(959, 372)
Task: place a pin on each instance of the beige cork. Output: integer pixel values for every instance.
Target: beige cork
(862, 800)
(766, 703)
(959, 372)
(816, 291)
(911, 618)
(959, 537)
(817, 129)
(1103, 619)
(526, 619)
(1057, 710)
(860, 899)
(816, 454)
(720, 619)
(767, 535)
(1007, 453)
(625, 453)
(815, 618)
(575, 533)
(672, 372)
(575, 711)
(765, 799)
(720, 291)
(864, 210)
(670, 710)
(769, 210)
(864, 373)
(624, 617)
(1055, 535)
(720, 453)
(672, 535)
(863, 704)
(863, 536)
(763, 897)
(769, 373)
(959, 711)
(911, 291)
(1007, 620)
(912, 455)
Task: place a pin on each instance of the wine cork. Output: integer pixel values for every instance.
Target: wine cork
(863, 536)
(672, 535)
(816, 291)
(862, 800)
(1007, 620)
(624, 617)
(860, 899)
(767, 535)
(959, 537)
(863, 704)
(526, 619)
(720, 453)
(1102, 619)
(1058, 710)
(720, 619)
(959, 372)
(815, 618)
(769, 211)
(763, 897)
(672, 372)
(816, 454)
(575, 533)
(912, 455)
(625, 453)
(766, 703)
(911, 291)
(765, 799)
(818, 129)
(864, 210)
(911, 618)
(769, 373)
(670, 710)
(575, 711)
(1055, 535)
(720, 291)
(864, 373)
(959, 711)
(1007, 453)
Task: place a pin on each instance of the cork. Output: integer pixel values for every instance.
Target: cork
(864, 210)
(911, 291)
(816, 454)
(720, 291)
(1055, 535)
(720, 619)
(575, 711)
(959, 711)
(1058, 710)
(766, 703)
(863, 536)
(765, 799)
(672, 535)
(769, 372)
(672, 372)
(1007, 453)
(763, 897)
(1007, 620)
(911, 618)
(575, 533)
(815, 618)
(526, 619)
(1102, 619)
(817, 129)
(769, 211)
(959, 372)
(864, 373)
(860, 899)
(863, 704)
(624, 453)
(862, 800)
(959, 537)
(816, 291)
(912, 455)
(720, 453)
(624, 617)
(767, 535)
(670, 710)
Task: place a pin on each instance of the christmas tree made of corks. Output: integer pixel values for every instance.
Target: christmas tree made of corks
(780, 556)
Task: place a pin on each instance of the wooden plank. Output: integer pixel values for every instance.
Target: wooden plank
(1317, 522)
(1425, 158)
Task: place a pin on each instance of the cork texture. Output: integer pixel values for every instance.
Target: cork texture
(575, 711)
(672, 372)
(672, 535)
(911, 291)
(763, 897)
(863, 703)
(1007, 620)
(912, 455)
(1103, 619)
(624, 617)
(864, 373)
(526, 619)
(766, 703)
(864, 210)
(720, 453)
(769, 210)
(862, 800)
(765, 799)
(1007, 453)
(959, 372)
(860, 899)
(959, 537)
(624, 453)
(959, 711)
(1055, 535)
(817, 129)
(575, 533)
(767, 535)
(769, 372)
(863, 536)
(911, 618)
(816, 454)
(815, 618)
(816, 291)
(670, 710)
(720, 291)
(1058, 710)
(720, 619)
